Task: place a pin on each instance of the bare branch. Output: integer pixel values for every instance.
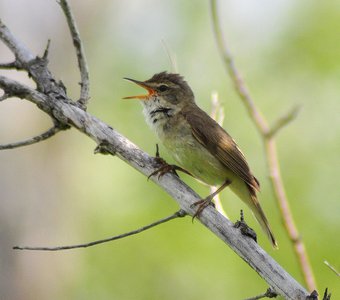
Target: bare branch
(36, 139)
(268, 294)
(178, 214)
(21, 53)
(283, 121)
(236, 77)
(84, 73)
(52, 99)
(14, 88)
(270, 151)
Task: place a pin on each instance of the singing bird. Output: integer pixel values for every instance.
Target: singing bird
(197, 142)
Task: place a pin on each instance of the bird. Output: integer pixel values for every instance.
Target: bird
(198, 143)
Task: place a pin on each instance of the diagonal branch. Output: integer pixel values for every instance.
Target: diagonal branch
(84, 73)
(178, 214)
(52, 99)
(235, 76)
(21, 53)
(246, 248)
(270, 150)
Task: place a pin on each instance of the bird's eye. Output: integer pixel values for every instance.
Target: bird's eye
(163, 88)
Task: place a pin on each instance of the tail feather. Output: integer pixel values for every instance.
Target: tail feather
(261, 218)
(247, 193)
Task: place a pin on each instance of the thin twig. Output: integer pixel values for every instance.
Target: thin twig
(283, 121)
(84, 73)
(217, 113)
(332, 268)
(268, 294)
(178, 214)
(270, 151)
(36, 139)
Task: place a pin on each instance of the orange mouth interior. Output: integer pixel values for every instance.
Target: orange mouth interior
(151, 91)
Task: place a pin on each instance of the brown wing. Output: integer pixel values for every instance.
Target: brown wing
(219, 143)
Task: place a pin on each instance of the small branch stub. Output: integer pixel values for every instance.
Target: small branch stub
(283, 121)
(270, 293)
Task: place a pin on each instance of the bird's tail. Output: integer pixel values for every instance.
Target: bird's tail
(247, 192)
(261, 218)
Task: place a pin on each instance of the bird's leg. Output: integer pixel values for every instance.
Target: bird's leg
(244, 228)
(165, 167)
(202, 204)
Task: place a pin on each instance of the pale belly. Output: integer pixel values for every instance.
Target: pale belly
(196, 159)
(193, 157)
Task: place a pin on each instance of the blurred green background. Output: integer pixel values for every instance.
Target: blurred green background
(58, 192)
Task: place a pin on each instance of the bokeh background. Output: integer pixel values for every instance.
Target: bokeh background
(58, 192)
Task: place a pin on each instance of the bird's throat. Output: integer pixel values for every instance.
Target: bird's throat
(157, 115)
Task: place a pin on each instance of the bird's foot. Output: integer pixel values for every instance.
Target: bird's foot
(202, 204)
(165, 167)
(245, 229)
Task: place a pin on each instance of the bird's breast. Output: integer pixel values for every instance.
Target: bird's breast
(175, 134)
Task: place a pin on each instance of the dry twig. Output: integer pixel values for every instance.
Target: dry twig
(178, 214)
(267, 135)
(78, 45)
(36, 139)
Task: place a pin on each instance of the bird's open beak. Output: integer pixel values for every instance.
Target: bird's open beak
(143, 85)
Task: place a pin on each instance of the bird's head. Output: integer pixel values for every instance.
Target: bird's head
(166, 89)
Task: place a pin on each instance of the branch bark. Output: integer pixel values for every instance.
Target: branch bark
(50, 96)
